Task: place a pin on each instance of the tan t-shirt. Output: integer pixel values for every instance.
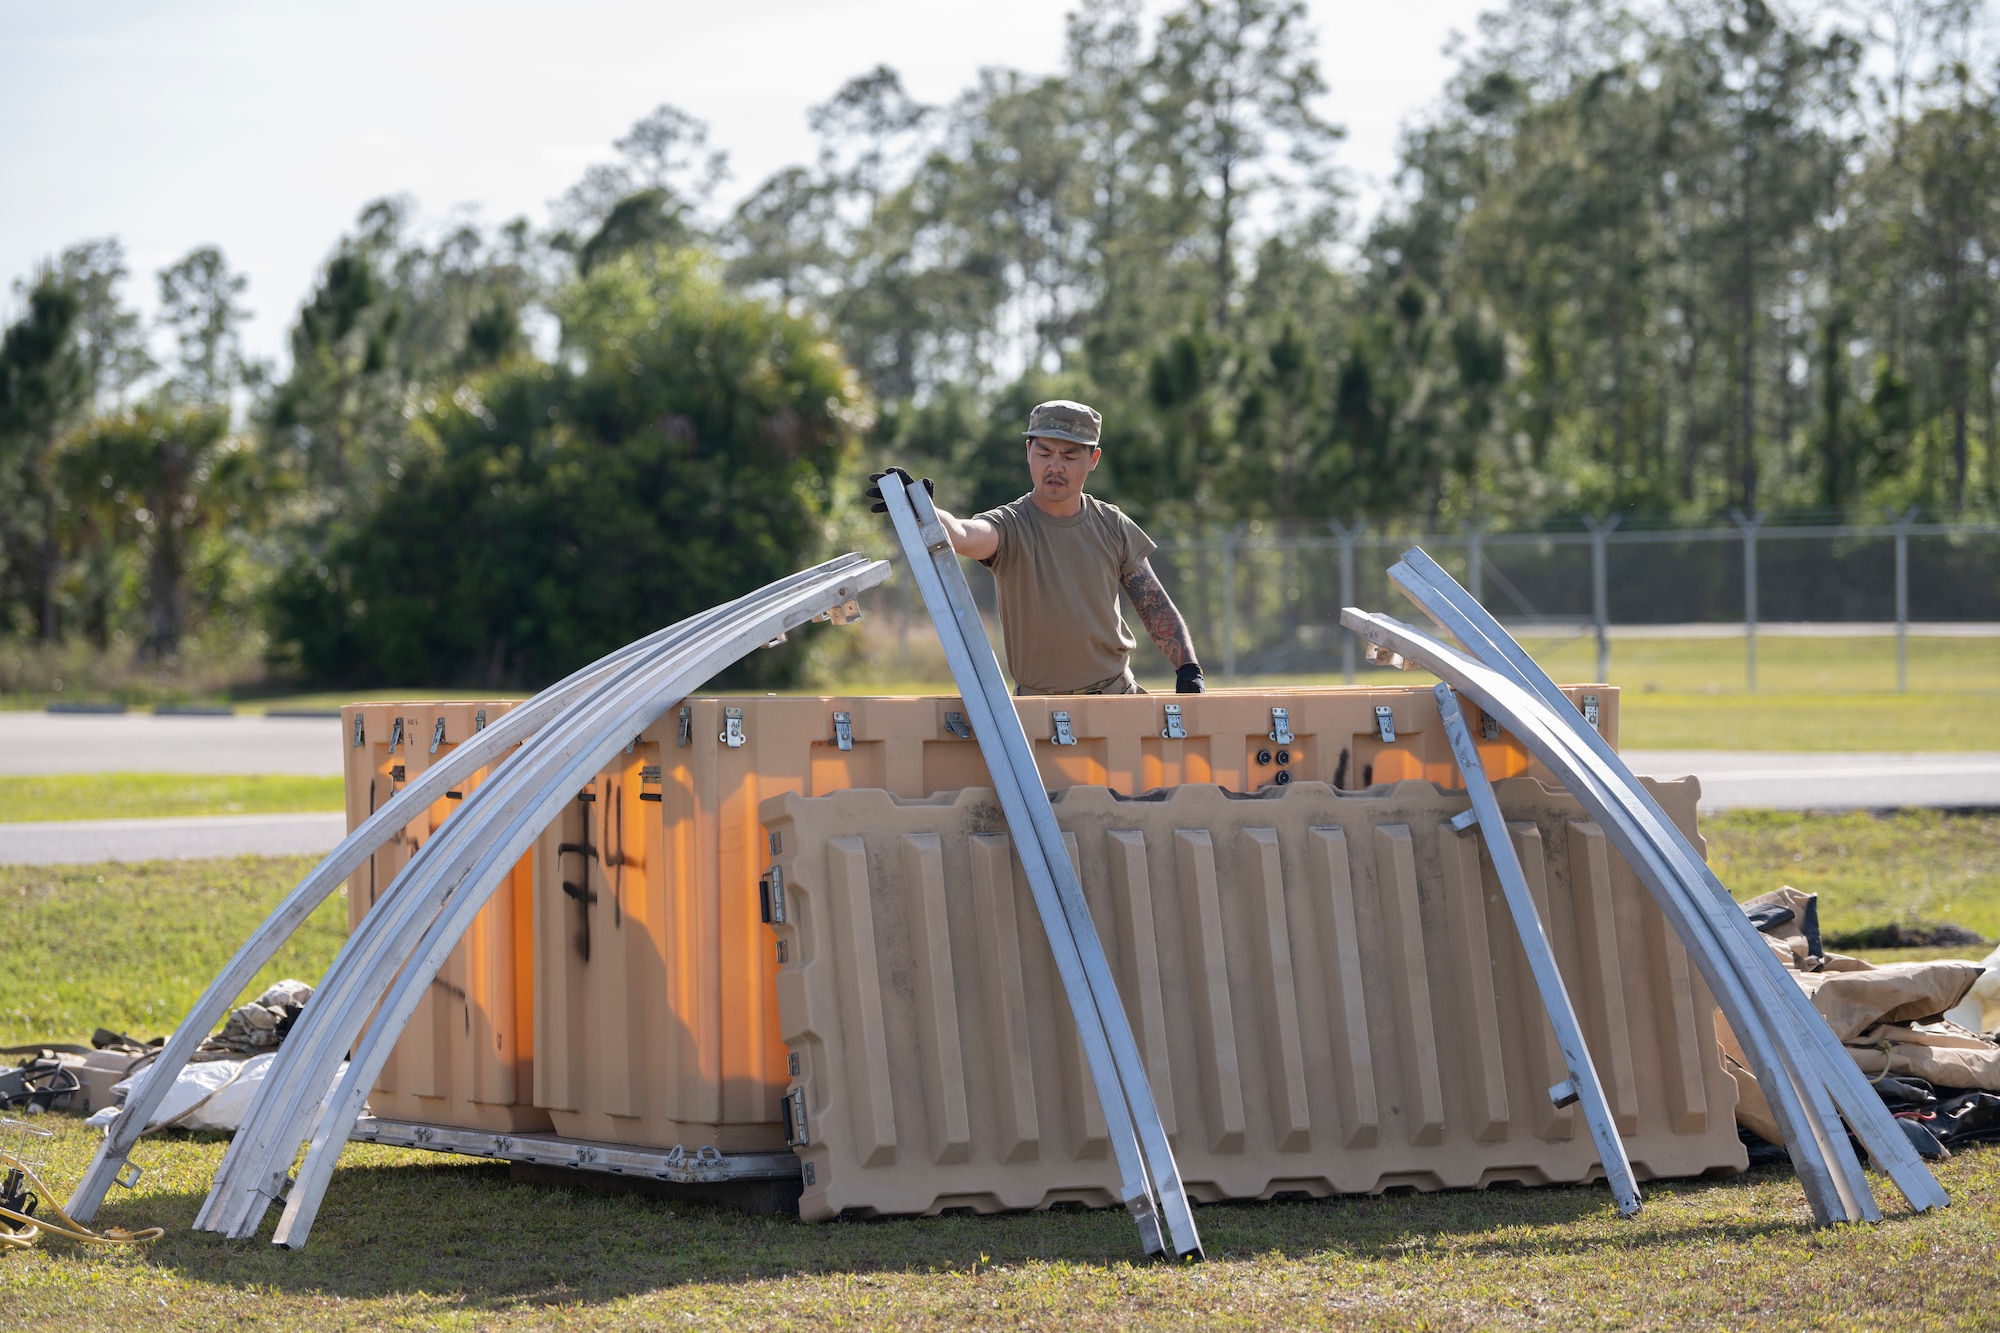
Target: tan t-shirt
(1059, 580)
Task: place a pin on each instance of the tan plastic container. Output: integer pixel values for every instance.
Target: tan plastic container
(467, 1057)
(1327, 990)
(655, 973)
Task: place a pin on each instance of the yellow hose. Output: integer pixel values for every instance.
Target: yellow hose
(18, 1231)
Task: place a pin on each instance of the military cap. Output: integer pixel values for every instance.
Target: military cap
(1061, 419)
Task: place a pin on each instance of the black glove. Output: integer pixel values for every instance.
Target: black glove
(877, 505)
(1188, 680)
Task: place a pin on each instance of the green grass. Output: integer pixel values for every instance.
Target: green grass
(415, 1240)
(130, 947)
(150, 795)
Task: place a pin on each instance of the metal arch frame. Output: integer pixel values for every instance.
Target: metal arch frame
(1829, 1073)
(1584, 1085)
(279, 1117)
(1528, 718)
(466, 757)
(1150, 1178)
(254, 1170)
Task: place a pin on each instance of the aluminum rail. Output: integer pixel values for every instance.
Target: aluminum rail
(383, 938)
(1543, 732)
(519, 823)
(466, 757)
(1454, 610)
(1103, 1029)
(1583, 1084)
(276, 1124)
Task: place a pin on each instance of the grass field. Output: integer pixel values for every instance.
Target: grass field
(151, 795)
(413, 1240)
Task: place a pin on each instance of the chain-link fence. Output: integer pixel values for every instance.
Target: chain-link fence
(1267, 602)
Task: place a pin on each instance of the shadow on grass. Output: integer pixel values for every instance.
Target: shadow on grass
(466, 1229)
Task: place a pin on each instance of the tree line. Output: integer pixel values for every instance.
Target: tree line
(1661, 259)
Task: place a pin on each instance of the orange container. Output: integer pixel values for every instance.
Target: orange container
(467, 1057)
(655, 970)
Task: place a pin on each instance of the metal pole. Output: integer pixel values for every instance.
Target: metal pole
(1903, 522)
(1228, 607)
(1348, 534)
(1600, 592)
(1749, 526)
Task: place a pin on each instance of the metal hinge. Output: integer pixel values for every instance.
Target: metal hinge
(793, 1105)
(687, 727)
(1489, 727)
(732, 728)
(359, 730)
(955, 724)
(771, 896)
(1174, 731)
(1281, 726)
(395, 735)
(437, 736)
(843, 730)
(1590, 710)
(777, 843)
(1062, 737)
(1385, 724)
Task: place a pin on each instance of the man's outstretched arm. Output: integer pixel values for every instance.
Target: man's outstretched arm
(1160, 616)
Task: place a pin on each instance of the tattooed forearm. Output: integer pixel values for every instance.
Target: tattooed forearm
(1160, 616)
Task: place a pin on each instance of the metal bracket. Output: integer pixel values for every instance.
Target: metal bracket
(1281, 726)
(955, 724)
(771, 896)
(732, 728)
(687, 728)
(845, 614)
(437, 736)
(793, 1105)
(395, 735)
(1377, 655)
(1564, 1093)
(843, 730)
(128, 1175)
(358, 730)
(1174, 731)
(1063, 734)
(1590, 711)
(1465, 819)
(1385, 724)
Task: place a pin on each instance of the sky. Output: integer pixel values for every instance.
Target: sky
(263, 128)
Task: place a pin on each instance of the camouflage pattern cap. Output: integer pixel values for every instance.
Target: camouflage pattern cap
(1061, 419)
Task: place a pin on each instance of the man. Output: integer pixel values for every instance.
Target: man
(1059, 557)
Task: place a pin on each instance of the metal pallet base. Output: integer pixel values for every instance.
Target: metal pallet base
(675, 1165)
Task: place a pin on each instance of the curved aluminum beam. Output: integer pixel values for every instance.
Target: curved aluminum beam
(1650, 854)
(262, 1151)
(1102, 1026)
(1458, 613)
(1584, 1085)
(549, 771)
(483, 748)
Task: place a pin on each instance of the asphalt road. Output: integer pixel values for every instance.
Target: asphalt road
(41, 743)
(34, 744)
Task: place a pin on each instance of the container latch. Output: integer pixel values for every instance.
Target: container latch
(479, 720)
(1063, 735)
(793, 1104)
(1489, 727)
(1281, 726)
(1385, 724)
(1590, 710)
(771, 895)
(732, 728)
(687, 727)
(395, 735)
(955, 724)
(358, 730)
(843, 730)
(1174, 730)
(437, 736)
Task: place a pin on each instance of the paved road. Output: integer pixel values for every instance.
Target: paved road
(33, 744)
(85, 840)
(1772, 780)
